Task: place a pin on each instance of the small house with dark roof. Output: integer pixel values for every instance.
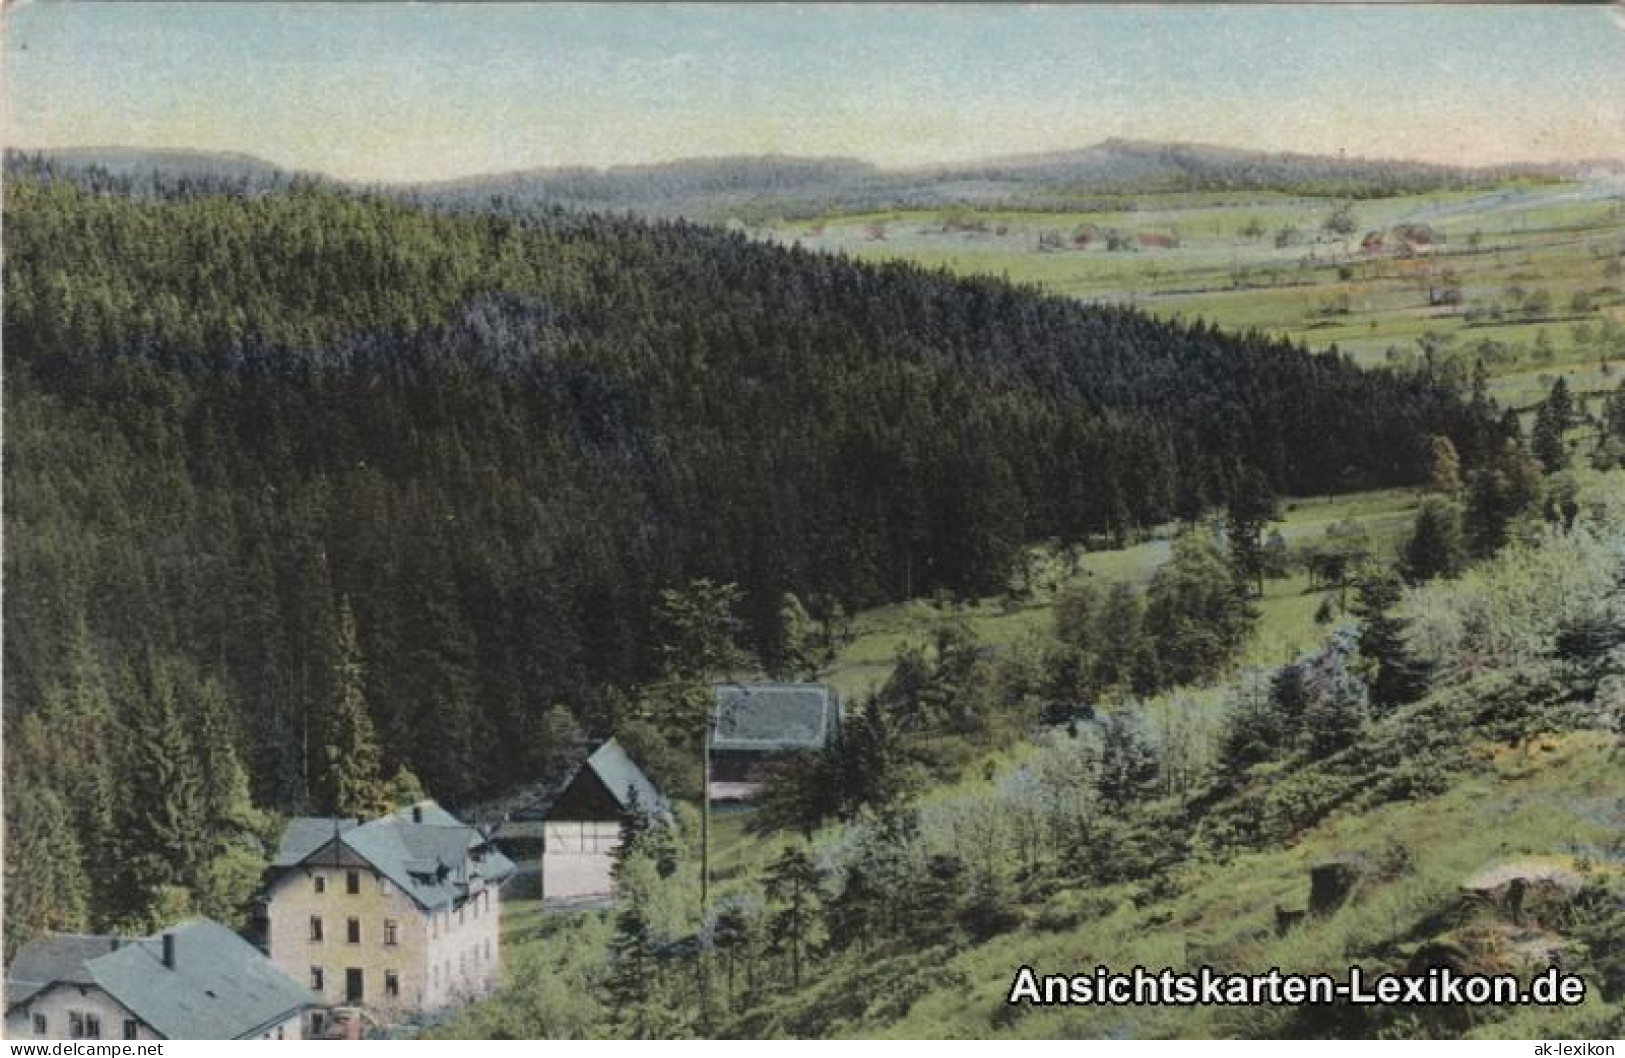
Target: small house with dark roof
(754, 726)
(580, 822)
(196, 981)
(398, 915)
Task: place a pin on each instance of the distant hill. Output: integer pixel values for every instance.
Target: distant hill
(765, 187)
(177, 161)
(753, 189)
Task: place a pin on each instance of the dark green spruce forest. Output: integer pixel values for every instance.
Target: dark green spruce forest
(283, 458)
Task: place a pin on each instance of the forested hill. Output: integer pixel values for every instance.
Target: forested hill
(758, 188)
(239, 426)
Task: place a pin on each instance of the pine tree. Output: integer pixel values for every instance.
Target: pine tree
(732, 936)
(632, 970)
(1435, 546)
(1336, 714)
(1392, 674)
(352, 780)
(1252, 506)
(792, 882)
(1128, 761)
(69, 748)
(1546, 439)
(1252, 731)
(46, 884)
(165, 831)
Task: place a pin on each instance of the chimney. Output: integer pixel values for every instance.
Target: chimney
(169, 951)
(417, 813)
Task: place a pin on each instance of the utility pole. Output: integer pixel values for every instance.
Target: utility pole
(705, 818)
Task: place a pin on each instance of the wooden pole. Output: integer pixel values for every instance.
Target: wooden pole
(705, 821)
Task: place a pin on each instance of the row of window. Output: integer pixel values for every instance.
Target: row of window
(352, 931)
(355, 984)
(84, 1025)
(355, 980)
(352, 884)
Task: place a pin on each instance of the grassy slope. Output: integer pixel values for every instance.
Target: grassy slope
(1545, 799)
(1287, 610)
(1547, 239)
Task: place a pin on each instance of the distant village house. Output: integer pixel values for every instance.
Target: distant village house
(195, 981)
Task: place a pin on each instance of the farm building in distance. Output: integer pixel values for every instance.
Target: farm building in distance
(755, 725)
(580, 823)
(195, 981)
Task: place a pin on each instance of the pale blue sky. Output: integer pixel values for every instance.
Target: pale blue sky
(422, 91)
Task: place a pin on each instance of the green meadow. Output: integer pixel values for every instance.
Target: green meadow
(1525, 277)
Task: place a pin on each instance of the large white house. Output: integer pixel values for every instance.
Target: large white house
(399, 915)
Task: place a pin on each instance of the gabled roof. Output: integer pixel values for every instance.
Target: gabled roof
(56, 958)
(431, 855)
(774, 717)
(611, 765)
(219, 988)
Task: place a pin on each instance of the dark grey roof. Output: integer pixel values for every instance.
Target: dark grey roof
(220, 987)
(305, 835)
(772, 717)
(58, 957)
(433, 859)
(618, 772)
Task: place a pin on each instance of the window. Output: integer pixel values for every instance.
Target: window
(353, 991)
(392, 984)
(320, 883)
(316, 981)
(315, 928)
(487, 949)
(391, 932)
(93, 1026)
(76, 1025)
(352, 882)
(132, 1029)
(41, 1026)
(352, 931)
(384, 886)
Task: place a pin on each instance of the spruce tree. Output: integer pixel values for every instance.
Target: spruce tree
(1392, 674)
(47, 887)
(1128, 764)
(1435, 547)
(352, 781)
(792, 883)
(1338, 706)
(164, 830)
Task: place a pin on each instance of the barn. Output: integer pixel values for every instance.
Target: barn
(757, 725)
(581, 823)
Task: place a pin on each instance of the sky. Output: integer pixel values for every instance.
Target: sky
(429, 91)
